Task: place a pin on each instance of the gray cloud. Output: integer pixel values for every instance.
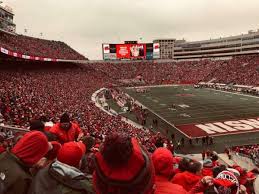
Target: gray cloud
(85, 24)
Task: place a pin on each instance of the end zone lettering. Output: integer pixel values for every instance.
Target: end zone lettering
(230, 126)
(220, 128)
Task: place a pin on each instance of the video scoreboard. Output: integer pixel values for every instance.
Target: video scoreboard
(131, 50)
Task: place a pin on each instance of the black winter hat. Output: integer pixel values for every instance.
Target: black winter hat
(65, 118)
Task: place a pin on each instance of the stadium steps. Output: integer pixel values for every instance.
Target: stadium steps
(226, 160)
(198, 157)
(241, 161)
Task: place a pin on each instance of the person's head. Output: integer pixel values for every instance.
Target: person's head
(218, 169)
(71, 153)
(183, 164)
(207, 163)
(31, 148)
(36, 125)
(226, 183)
(117, 149)
(163, 162)
(44, 119)
(123, 166)
(88, 141)
(214, 157)
(65, 121)
(194, 167)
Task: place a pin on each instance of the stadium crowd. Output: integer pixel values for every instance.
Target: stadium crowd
(240, 70)
(71, 163)
(38, 47)
(250, 151)
(89, 151)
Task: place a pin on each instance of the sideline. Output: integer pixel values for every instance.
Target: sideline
(112, 112)
(155, 86)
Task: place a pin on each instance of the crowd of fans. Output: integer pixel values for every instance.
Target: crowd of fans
(250, 151)
(38, 47)
(240, 70)
(59, 160)
(104, 155)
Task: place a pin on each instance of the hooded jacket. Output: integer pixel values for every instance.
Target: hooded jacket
(59, 178)
(163, 163)
(186, 179)
(65, 136)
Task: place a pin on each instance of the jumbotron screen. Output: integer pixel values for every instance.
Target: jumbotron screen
(147, 51)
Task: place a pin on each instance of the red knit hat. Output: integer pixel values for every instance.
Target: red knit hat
(130, 172)
(31, 147)
(163, 161)
(71, 154)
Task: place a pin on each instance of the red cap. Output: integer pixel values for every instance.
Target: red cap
(31, 147)
(71, 154)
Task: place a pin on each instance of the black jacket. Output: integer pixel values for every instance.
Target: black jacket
(15, 176)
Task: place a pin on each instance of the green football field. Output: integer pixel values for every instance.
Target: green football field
(197, 105)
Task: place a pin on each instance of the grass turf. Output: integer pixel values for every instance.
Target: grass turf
(196, 105)
(205, 105)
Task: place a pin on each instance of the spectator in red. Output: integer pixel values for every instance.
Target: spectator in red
(66, 130)
(123, 166)
(163, 163)
(207, 169)
(88, 159)
(63, 176)
(249, 183)
(214, 158)
(189, 178)
(15, 164)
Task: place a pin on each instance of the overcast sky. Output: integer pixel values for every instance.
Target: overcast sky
(86, 24)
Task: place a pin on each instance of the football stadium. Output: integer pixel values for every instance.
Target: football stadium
(92, 106)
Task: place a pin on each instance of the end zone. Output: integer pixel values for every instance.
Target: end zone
(222, 128)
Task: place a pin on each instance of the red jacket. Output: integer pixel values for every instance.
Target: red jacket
(207, 172)
(66, 136)
(186, 179)
(164, 186)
